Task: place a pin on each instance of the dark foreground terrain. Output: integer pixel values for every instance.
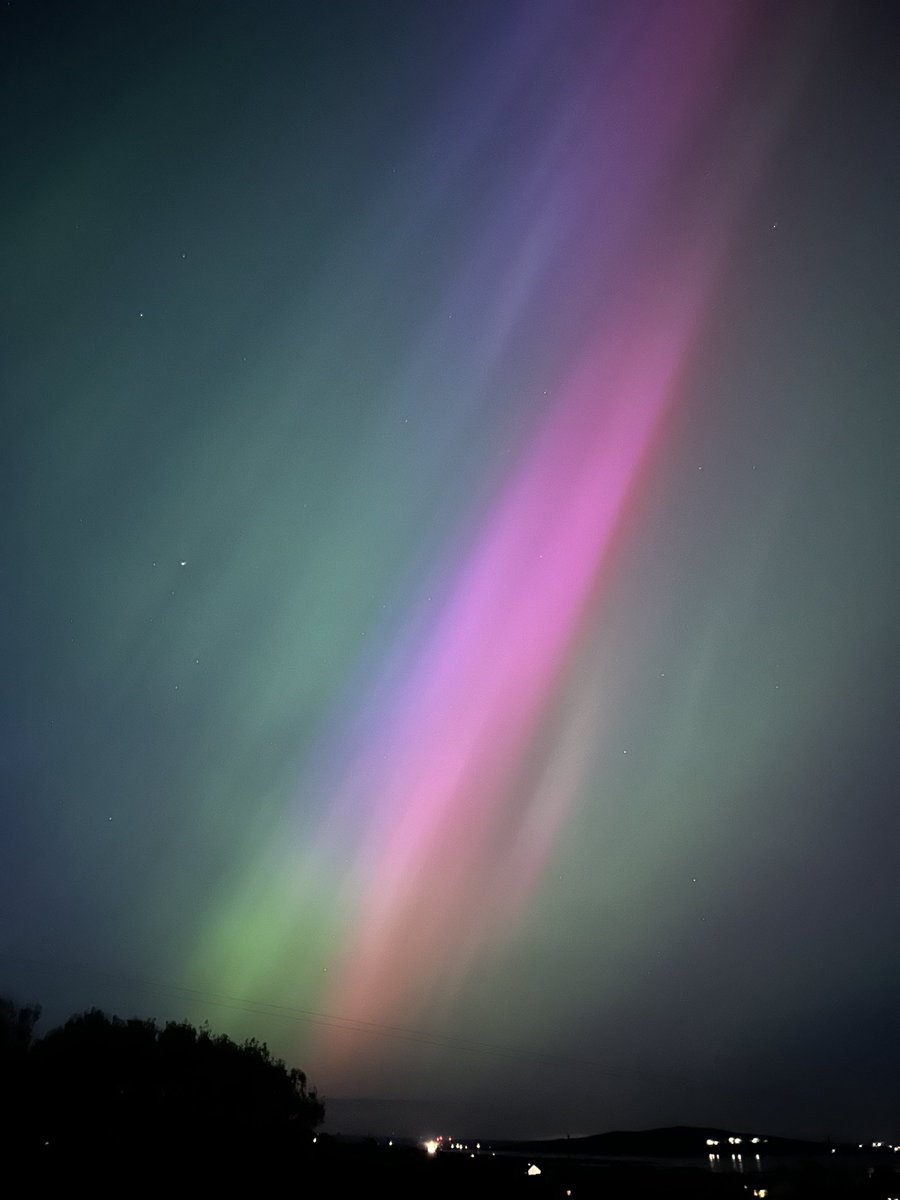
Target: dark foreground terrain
(338, 1167)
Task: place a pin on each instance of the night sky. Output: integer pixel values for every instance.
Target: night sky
(449, 528)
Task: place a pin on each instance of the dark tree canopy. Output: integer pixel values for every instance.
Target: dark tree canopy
(16, 1028)
(100, 1080)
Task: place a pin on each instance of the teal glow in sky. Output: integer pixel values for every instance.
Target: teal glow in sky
(449, 526)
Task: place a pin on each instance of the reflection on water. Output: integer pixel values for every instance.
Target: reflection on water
(734, 1162)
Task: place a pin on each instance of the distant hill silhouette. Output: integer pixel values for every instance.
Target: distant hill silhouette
(676, 1141)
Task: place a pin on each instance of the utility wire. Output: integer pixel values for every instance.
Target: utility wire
(349, 1024)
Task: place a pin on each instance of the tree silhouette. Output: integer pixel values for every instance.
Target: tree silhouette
(16, 1028)
(16, 1034)
(99, 1082)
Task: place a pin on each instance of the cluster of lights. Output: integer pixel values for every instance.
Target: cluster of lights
(432, 1145)
(737, 1159)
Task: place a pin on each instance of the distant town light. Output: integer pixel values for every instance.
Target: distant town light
(431, 1146)
(533, 1170)
(711, 1142)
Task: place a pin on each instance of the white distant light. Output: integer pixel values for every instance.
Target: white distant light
(431, 1146)
(755, 1141)
(711, 1142)
(533, 1170)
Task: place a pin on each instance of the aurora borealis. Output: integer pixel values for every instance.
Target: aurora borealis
(450, 548)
